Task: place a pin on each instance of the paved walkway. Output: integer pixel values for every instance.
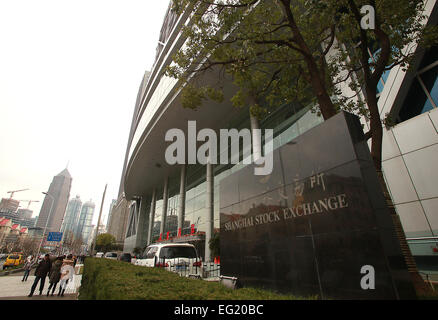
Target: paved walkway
(12, 288)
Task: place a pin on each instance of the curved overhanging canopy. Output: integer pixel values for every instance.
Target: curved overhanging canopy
(147, 166)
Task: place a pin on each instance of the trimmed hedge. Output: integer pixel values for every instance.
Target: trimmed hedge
(105, 279)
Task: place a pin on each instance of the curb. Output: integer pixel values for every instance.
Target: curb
(6, 273)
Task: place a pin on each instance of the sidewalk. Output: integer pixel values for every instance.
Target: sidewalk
(12, 288)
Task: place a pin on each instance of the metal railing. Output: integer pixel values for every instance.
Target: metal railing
(428, 280)
(211, 270)
(194, 268)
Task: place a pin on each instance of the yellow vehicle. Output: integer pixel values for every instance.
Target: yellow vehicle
(14, 259)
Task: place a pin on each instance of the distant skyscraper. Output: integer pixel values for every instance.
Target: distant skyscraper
(9, 204)
(85, 227)
(71, 218)
(25, 213)
(60, 191)
(113, 203)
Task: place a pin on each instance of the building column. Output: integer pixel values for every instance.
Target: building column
(151, 217)
(182, 199)
(164, 212)
(210, 210)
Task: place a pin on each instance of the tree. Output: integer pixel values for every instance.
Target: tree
(76, 244)
(302, 51)
(105, 242)
(29, 245)
(263, 54)
(214, 245)
(137, 250)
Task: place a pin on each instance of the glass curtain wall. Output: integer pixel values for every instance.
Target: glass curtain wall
(288, 122)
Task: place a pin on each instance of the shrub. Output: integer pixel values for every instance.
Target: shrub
(117, 280)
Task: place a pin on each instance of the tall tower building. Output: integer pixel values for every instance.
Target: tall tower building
(71, 218)
(85, 227)
(113, 203)
(25, 213)
(55, 203)
(9, 204)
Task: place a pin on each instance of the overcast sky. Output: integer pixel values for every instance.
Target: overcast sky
(69, 76)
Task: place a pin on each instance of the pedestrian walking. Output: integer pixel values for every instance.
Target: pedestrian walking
(67, 272)
(54, 275)
(30, 261)
(40, 274)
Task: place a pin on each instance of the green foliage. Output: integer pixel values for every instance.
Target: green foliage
(105, 242)
(278, 58)
(245, 46)
(214, 245)
(400, 28)
(105, 279)
(192, 97)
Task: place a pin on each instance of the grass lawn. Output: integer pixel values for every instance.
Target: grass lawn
(110, 279)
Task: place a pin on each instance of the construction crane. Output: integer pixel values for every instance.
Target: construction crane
(12, 192)
(29, 202)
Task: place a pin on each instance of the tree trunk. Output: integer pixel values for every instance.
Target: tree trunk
(317, 80)
(319, 89)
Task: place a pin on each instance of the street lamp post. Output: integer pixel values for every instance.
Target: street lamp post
(98, 222)
(48, 218)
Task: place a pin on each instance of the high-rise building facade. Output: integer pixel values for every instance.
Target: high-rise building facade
(112, 205)
(54, 205)
(25, 213)
(117, 223)
(157, 190)
(71, 218)
(84, 228)
(9, 204)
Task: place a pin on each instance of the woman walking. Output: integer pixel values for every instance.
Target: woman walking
(55, 275)
(67, 272)
(27, 267)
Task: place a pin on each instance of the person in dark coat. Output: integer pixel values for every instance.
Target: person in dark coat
(54, 275)
(40, 274)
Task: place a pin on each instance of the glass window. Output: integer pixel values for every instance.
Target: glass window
(200, 202)
(190, 204)
(177, 252)
(382, 81)
(422, 96)
(423, 93)
(190, 194)
(429, 83)
(201, 188)
(111, 255)
(149, 252)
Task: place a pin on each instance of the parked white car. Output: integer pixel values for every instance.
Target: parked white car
(111, 255)
(172, 256)
(99, 255)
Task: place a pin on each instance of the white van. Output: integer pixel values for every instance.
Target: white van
(172, 256)
(99, 255)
